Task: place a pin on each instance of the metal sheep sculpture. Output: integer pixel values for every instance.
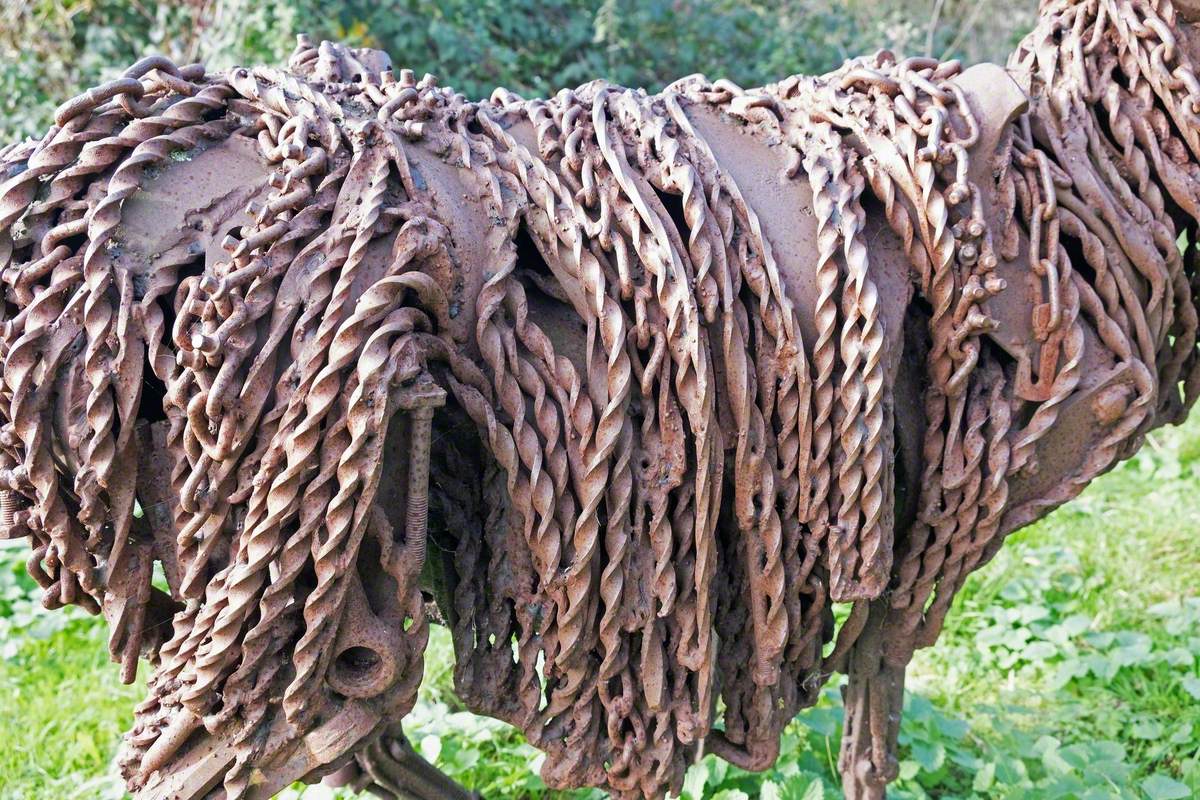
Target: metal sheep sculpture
(627, 390)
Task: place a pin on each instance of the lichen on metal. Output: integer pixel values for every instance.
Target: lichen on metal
(627, 390)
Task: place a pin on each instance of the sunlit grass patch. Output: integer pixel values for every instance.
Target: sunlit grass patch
(62, 712)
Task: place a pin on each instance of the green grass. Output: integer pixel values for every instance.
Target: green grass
(1068, 669)
(62, 707)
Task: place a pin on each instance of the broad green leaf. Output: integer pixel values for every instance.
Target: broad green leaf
(694, 780)
(951, 727)
(1039, 651)
(1182, 734)
(930, 755)
(1179, 657)
(731, 794)
(431, 748)
(984, 778)
(1147, 729)
(824, 721)
(815, 791)
(1110, 772)
(1160, 787)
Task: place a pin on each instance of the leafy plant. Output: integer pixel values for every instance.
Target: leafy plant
(51, 49)
(22, 618)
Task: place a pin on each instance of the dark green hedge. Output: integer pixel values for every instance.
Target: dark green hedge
(49, 49)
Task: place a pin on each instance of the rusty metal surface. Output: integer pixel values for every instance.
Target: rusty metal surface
(627, 390)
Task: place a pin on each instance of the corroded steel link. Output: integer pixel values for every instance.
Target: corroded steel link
(751, 395)
(858, 550)
(150, 141)
(824, 358)
(1135, 268)
(626, 389)
(784, 380)
(261, 536)
(293, 555)
(974, 535)
(927, 240)
(631, 474)
(381, 368)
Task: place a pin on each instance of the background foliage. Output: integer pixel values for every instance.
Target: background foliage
(50, 49)
(1070, 667)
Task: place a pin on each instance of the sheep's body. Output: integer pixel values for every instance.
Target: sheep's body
(686, 369)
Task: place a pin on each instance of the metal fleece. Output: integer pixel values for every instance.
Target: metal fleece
(627, 390)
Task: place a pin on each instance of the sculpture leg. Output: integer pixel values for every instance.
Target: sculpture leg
(873, 698)
(392, 770)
